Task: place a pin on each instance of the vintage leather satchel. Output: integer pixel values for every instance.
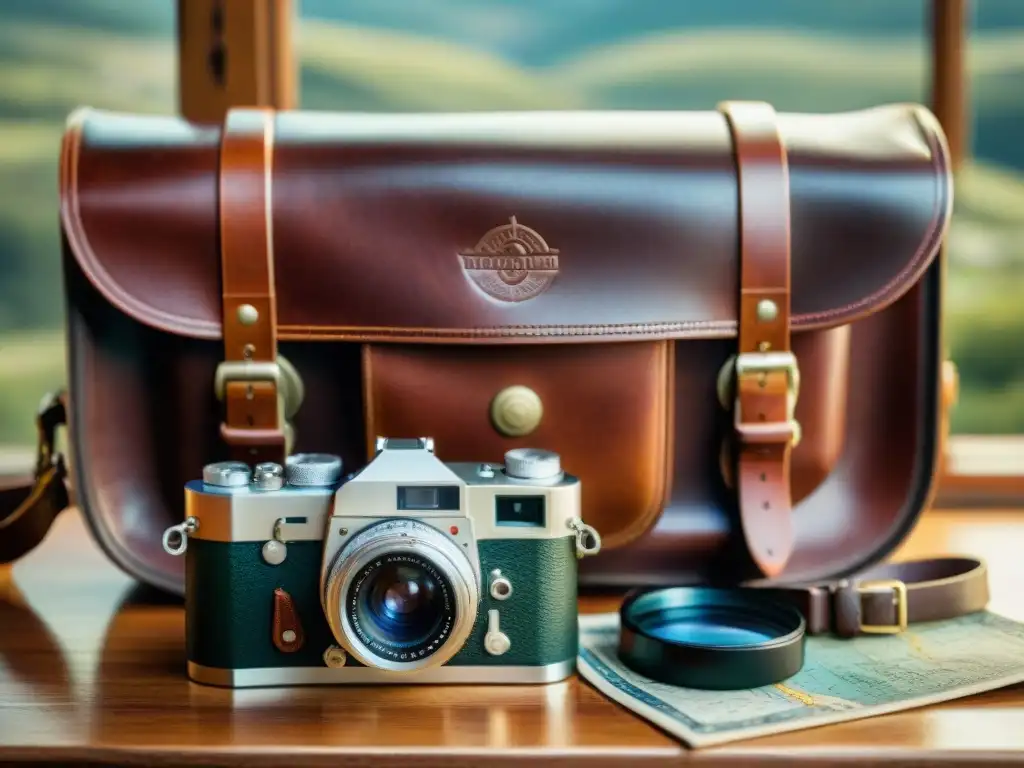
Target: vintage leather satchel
(726, 322)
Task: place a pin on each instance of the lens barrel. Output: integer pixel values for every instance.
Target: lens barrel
(401, 596)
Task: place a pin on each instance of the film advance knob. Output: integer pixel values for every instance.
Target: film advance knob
(227, 474)
(532, 464)
(313, 469)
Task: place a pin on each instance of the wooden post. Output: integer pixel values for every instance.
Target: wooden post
(949, 96)
(235, 53)
(950, 90)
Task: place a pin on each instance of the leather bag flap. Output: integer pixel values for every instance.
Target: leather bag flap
(494, 228)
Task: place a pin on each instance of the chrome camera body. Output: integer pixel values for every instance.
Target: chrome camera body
(411, 570)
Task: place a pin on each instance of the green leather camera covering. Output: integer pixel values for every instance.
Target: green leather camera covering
(229, 604)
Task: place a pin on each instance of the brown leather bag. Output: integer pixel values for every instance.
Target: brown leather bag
(726, 322)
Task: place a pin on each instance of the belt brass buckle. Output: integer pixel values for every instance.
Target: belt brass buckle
(899, 590)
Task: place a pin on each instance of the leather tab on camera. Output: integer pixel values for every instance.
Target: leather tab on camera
(288, 635)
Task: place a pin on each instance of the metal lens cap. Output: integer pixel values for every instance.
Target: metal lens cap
(313, 469)
(227, 474)
(532, 464)
(711, 639)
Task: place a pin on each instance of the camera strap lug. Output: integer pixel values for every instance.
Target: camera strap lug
(588, 540)
(175, 539)
(276, 550)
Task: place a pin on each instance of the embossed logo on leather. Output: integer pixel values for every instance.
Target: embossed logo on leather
(511, 263)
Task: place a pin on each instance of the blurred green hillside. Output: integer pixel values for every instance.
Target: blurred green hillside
(52, 62)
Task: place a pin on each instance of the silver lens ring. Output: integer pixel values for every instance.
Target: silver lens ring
(396, 537)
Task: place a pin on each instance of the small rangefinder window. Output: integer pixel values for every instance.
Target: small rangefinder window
(520, 511)
(427, 497)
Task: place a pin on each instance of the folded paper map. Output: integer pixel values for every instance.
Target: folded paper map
(841, 679)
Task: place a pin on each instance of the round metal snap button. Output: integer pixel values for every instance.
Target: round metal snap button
(516, 411)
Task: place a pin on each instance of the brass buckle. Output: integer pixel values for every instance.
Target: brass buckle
(282, 373)
(248, 371)
(899, 590)
(288, 383)
(244, 370)
(50, 415)
(754, 363)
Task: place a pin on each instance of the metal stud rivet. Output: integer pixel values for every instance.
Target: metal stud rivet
(248, 315)
(767, 310)
(335, 657)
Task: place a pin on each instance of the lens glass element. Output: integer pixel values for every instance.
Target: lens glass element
(709, 617)
(699, 630)
(401, 602)
(401, 606)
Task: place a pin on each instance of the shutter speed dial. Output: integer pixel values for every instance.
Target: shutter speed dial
(532, 464)
(313, 469)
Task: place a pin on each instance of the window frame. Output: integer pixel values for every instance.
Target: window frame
(957, 486)
(261, 69)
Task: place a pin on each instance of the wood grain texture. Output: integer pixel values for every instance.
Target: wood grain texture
(92, 670)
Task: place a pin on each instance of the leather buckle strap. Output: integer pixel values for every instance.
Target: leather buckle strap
(249, 379)
(27, 510)
(888, 599)
(766, 372)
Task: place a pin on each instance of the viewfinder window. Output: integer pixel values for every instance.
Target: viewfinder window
(428, 497)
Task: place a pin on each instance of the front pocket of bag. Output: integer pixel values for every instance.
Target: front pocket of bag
(605, 408)
(824, 360)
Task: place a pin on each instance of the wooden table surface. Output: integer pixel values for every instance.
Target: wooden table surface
(92, 669)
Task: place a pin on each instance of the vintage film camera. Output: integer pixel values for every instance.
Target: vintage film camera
(408, 571)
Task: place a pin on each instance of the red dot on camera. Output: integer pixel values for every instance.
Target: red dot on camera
(454, 530)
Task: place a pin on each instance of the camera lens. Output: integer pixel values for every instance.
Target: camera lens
(403, 604)
(401, 596)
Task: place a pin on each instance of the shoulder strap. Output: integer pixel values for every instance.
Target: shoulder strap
(249, 379)
(766, 373)
(27, 510)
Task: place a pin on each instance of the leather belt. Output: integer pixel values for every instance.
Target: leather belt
(889, 598)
